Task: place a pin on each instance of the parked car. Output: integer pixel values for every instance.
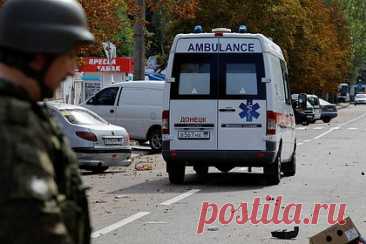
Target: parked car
(303, 115)
(135, 105)
(328, 111)
(97, 143)
(360, 98)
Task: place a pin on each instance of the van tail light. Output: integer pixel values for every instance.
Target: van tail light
(165, 123)
(89, 136)
(271, 123)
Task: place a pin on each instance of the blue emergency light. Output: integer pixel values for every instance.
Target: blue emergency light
(243, 29)
(198, 29)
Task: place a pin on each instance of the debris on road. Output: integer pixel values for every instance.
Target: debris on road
(362, 173)
(100, 201)
(344, 233)
(285, 234)
(143, 166)
(155, 222)
(121, 196)
(213, 228)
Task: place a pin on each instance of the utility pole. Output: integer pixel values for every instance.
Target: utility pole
(139, 47)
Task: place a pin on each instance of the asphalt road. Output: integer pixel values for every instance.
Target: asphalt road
(129, 206)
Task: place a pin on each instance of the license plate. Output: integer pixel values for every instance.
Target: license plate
(193, 135)
(113, 141)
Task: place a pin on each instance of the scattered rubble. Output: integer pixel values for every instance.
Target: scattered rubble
(213, 228)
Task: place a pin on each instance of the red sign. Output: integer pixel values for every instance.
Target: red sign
(119, 64)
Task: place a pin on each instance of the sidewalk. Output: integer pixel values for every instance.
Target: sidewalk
(342, 105)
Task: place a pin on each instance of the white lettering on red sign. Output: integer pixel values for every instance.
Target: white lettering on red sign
(102, 61)
(108, 68)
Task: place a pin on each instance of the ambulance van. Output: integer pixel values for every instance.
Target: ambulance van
(227, 104)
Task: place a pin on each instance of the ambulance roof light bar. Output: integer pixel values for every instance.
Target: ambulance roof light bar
(221, 31)
(198, 29)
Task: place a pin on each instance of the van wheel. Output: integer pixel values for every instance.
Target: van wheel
(201, 171)
(176, 173)
(272, 172)
(224, 168)
(289, 169)
(155, 140)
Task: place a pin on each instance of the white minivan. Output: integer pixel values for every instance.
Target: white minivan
(135, 105)
(227, 104)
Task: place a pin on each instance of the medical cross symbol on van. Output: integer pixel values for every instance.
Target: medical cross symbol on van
(249, 111)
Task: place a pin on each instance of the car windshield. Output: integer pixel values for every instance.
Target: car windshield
(82, 117)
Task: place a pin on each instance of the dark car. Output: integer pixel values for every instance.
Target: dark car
(302, 116)
(328, 111)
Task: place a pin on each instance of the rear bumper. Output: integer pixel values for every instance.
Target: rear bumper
(329, 115)
(103, 157)
(219, 157)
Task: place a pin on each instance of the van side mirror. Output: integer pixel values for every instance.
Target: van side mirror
(170, 80)
(302, 100)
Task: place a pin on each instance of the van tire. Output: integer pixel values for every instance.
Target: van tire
(155, 140)
(201, 171)
(272, 172)
(289, 169)
(176, 173)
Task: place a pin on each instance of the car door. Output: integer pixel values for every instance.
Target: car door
(104, 103)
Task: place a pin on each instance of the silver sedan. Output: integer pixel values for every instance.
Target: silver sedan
(97, 143)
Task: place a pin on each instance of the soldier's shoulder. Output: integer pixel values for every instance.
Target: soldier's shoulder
(15, 111)
(26, 171)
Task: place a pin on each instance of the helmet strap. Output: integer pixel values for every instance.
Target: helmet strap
(40, 75)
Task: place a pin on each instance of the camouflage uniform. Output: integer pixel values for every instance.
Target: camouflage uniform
(42, 199)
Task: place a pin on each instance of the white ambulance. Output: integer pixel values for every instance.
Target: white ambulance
(227, 104)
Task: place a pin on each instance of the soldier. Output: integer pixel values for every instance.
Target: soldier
(42, 199)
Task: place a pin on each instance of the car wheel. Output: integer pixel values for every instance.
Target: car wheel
(326, 120)
(155, 140)
(272, 172)
(176, 173)
(99, 169)
(224, 168)
(201, 171)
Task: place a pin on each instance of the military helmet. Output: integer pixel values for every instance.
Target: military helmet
(43, 26)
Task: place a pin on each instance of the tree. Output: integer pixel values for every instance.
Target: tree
(108, 21)
(314, 36)
(356, 16)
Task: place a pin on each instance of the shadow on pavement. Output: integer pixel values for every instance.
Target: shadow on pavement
(215, 182)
